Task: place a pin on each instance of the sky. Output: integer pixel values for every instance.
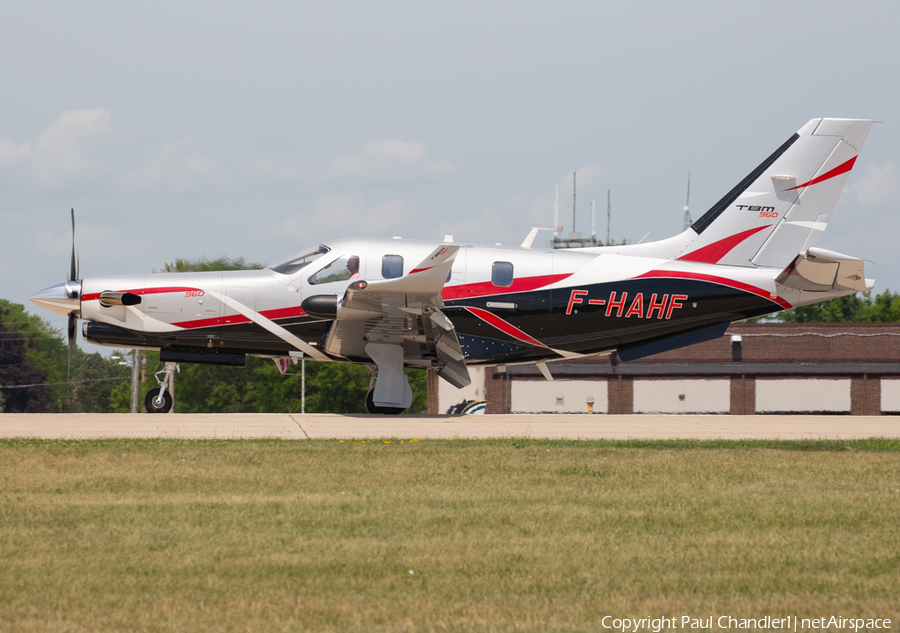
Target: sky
(257, 129)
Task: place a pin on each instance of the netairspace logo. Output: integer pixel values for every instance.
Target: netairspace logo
(724, 622)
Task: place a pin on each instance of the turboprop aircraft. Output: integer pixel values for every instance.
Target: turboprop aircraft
(394, 303)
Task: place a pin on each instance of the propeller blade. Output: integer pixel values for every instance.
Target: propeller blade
(72, 324)
(73, 269)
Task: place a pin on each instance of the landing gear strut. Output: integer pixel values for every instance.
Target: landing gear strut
(159, 400)
(389, 390)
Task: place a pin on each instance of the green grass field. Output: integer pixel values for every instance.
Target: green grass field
(442, 535)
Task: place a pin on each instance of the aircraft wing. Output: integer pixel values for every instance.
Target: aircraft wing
(405, 311)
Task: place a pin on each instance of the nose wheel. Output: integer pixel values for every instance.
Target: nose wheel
(156, 403)
(159, 400)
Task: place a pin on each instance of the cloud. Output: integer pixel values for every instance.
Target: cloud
(179, 167)
(60, 154)
(879, 185)
(12, 154)
(98, 242)
(273, 169)
(350, 215)
(509, 224)
(389, 159)
(385, 159)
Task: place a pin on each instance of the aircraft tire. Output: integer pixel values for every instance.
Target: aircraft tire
(152, 407)
(371, 407)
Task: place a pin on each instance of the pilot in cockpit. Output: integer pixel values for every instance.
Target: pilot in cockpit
(353, 267)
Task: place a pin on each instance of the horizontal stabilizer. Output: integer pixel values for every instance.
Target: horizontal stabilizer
(819, 270)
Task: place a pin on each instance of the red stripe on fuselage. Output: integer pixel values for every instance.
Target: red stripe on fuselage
(722, 281)
(843, 168)
(486, 288)
(712, 253)
(504, 326)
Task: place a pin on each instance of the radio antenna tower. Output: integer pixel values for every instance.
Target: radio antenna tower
(573, 202)
(556, 226)
(608, 215)
(687, 205)
(593, 222)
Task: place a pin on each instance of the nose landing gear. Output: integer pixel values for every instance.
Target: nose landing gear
(160, 400)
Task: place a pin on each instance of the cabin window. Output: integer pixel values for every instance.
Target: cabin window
(342, 269)
(299, 260)
(392, 266)
(502, 274)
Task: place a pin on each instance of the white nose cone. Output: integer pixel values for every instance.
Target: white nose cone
(62, 299)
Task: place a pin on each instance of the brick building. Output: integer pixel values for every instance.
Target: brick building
(831, 368)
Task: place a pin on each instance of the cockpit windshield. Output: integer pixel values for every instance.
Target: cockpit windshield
(299, 260)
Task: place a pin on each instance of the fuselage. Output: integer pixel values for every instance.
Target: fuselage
(508, 304)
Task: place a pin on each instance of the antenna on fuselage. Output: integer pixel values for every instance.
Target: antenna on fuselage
(687, 205)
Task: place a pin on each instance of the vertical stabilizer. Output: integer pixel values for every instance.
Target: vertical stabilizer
(782, 207)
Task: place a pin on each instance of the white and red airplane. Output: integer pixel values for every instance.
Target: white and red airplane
(391, 303)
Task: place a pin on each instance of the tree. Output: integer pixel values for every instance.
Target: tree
(97, 378)
(205, 264)
(858, 308)
(36, 353)
(18, 368)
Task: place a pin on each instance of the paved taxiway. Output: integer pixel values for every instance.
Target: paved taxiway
(331, 426)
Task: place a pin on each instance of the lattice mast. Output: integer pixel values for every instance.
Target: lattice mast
(573, 203)
(608, 216)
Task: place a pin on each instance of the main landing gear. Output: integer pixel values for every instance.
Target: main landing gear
(389, 391)
(160, 400)
(371, 407)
